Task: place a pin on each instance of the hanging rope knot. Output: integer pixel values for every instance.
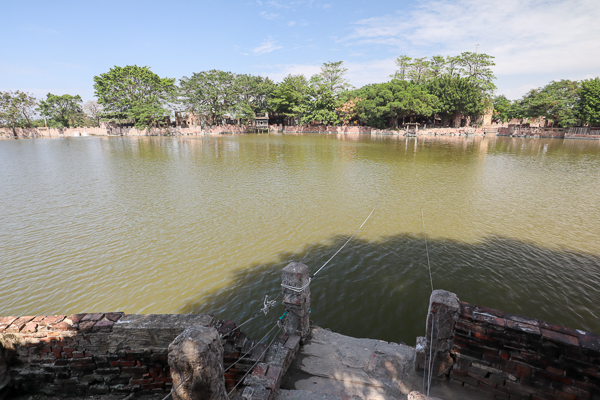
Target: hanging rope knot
(296, 289)
(268, 304)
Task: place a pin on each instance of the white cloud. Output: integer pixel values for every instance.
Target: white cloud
(279, 71)
(525, 36)
(291, 23)
(269, 16)
(267, 46)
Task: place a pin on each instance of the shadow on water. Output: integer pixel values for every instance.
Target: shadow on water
(380, 289)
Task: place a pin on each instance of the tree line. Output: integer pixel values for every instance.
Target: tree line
(564, 103)
(446, 90)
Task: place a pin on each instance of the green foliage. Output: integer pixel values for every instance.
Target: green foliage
(16, 109)
(502, 109)
(393, 101)
(65, 110)
(134, 93)
(332, 75)
(589, 101)
(476, 66)
(555, 102)
(288, 95)
(458, 96)
(253, 93)
(211, 93)
(319, 103)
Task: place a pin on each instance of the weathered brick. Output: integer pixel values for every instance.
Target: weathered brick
(466, 310)
(76, 318)
(134, 370)
(564, 396)
(489, 319)
(86, 325)
(487, 310)
(525, 328)
(103, 325)
(93, 317)
(590, 343)
(560, 337)
(114, 316)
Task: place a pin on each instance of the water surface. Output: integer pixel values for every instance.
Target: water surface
(179, 225)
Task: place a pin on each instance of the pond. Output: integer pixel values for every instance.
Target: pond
(205, 225)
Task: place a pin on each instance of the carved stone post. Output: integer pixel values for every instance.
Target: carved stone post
(296, 300)
(196, 359)
(437, 343)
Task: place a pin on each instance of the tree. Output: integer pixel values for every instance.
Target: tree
(288, 95)
(458, 97)
(403, 63)
(348, 110)
(134, 93)
(589, 101)
(332, 74)
(393, 101)
(253, 93)
(16, 109)
(555, 102)
(477, 67)
(318, 103)
(419, 70)
(502, 109)
(65, 109)
(210, 93)
(437, 66)
(93, 110)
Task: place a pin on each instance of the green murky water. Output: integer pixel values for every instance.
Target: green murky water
(179, 225)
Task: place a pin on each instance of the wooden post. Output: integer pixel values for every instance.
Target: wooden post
(296, 301)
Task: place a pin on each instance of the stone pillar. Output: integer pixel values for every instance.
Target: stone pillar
(296, 302)
(4, 376)
(441, 319)
(196, 358)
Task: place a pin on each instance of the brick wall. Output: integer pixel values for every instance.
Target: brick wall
(508, 356)
(96, 353)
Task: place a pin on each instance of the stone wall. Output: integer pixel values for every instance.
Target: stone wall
(506, 356)
(319, 129)
(534, 132)
(85, 354)
(111, 130)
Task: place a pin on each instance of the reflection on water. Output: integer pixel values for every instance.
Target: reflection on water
(159, 225)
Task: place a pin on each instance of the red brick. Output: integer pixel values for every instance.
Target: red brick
(30, 327)
(489, 319)
(590, 343)
(466, 310)
(523, 371)
(555, 371)
(38, 318)
(525, 328)
(558, 328)
(86, 325)
(103, 324)
(128, 363)
(76, 318)
(260, 369)
(93, 317)
(141, 381)
(53, 319)
(580, 394)
(487, 310)
(564, 396)
(7, 320)
(64, 326)
(560, 337)
(114, 317)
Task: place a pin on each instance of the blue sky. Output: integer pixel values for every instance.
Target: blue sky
(60, 46)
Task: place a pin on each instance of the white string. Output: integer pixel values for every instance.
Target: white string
(427, 250)
(261, 356)
(340, 249)
(253, 347)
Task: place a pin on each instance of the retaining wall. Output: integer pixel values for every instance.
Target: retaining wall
(506, 356)
(97, 353)
(109, 130)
